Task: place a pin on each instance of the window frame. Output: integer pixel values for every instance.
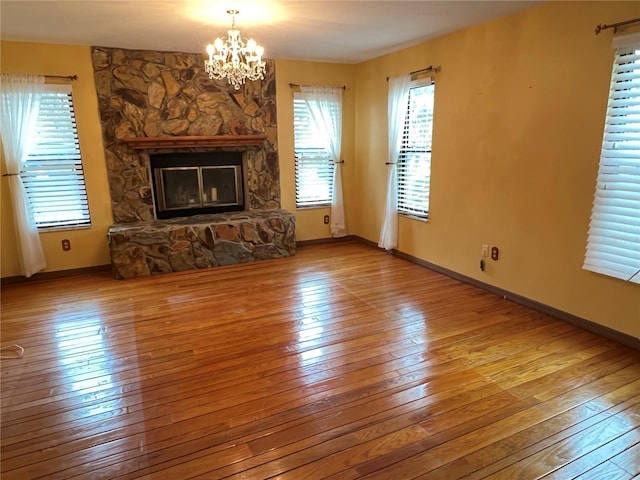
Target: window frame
(321, 155)
(404, 151)
(68, 157)
(613, 241)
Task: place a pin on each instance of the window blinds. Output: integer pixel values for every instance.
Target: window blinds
(53, 174)
(613, 245)
(313, 164)
(414, 161)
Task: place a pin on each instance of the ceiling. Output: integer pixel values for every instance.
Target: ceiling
(326, 31)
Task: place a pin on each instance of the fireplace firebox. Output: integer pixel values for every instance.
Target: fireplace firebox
(195, 183)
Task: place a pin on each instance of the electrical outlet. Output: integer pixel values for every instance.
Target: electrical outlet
(326, 219)
(495, 253)
(66, 245)
(485, 251)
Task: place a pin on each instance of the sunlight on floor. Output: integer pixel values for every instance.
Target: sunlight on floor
(84, 352)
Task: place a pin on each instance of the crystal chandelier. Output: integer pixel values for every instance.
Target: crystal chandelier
(232, 59)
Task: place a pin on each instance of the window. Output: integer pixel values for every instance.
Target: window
(613, 245)
(53, 175)
(314, 166)
(414, 160)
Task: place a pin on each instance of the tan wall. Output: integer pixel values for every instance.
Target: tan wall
(519, 113)
(88, 246)
(309, 222)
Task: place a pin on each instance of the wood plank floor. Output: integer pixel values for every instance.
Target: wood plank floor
(341, 362)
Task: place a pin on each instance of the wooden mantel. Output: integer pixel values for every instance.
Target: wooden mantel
(144, 143)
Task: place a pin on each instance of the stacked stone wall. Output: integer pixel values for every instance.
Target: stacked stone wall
(150, 94)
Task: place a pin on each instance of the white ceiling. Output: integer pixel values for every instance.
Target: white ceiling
(326, 31)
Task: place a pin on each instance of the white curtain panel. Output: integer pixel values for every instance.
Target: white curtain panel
(325, 107)
(20, 96)
(397, 112)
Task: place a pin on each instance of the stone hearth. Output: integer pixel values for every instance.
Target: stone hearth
(200, 241)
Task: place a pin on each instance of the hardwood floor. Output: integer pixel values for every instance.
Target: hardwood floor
(341, 362)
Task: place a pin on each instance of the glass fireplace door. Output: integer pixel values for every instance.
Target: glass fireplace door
(221, 185)
(180, 188)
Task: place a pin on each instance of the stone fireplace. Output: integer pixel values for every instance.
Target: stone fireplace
(167, 95)
(159, 105)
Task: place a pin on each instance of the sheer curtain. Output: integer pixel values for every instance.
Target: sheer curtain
(20, 96)
(397, 112)
(325, 107)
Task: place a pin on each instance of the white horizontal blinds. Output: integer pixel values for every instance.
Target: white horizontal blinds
(313, 163)
(613, 246)
(53, 174)
(414, 161)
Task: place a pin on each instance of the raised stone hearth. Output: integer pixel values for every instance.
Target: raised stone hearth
(200, 241)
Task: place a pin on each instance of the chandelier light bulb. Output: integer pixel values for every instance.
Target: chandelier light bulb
(233, 59)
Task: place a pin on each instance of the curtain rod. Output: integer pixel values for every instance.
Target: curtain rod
(65, 77)
(430, 68)
(615, 26)
(294, 85)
